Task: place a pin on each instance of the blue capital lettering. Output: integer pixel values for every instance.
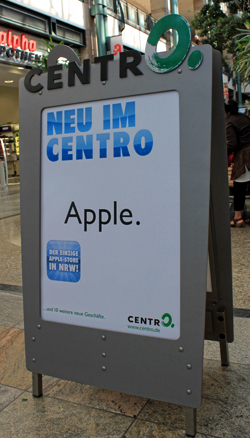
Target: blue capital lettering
(106, 116)
(121, 141)
(84, 124)
(143, 133)
(50, 153)
(67, 148)
(127, 117)
(85, 146)
(69, 121)
(54, 123)
(102, 138)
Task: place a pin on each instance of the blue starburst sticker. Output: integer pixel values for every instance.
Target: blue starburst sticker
(64, 261)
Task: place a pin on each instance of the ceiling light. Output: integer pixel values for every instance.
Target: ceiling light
(8, 82)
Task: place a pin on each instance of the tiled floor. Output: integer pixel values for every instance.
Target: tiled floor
(70, 409)
(10, 201)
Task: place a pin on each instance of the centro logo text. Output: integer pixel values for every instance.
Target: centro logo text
(141, 320)
(166, 320)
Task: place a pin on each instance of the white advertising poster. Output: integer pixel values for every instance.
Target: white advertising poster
(110, 215)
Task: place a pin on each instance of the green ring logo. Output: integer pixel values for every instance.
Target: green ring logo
(167, 320)
(177, 56)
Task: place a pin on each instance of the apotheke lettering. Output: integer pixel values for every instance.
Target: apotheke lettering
(18, 47)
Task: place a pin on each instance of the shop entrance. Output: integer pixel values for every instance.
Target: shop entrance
(9, 118)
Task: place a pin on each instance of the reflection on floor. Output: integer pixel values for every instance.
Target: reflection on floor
(70, 409)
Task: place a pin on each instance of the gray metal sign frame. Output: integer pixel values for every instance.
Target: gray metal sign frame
(160, 369)
(219, 302)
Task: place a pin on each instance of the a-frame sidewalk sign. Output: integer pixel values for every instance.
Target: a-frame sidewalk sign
(125, 219)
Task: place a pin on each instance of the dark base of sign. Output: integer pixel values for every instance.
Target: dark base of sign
(224, 354)
(37, 385)
(190, 421)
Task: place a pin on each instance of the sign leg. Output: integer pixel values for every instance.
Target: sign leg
(224, 354)
(37, 384)
(190, 421)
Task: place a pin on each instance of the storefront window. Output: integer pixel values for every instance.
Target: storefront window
(70, 34)
(36, 23)
(132, 14)
(110, 4)
(10, 14)
(45, 25)
(142, 19)
(124, 7)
